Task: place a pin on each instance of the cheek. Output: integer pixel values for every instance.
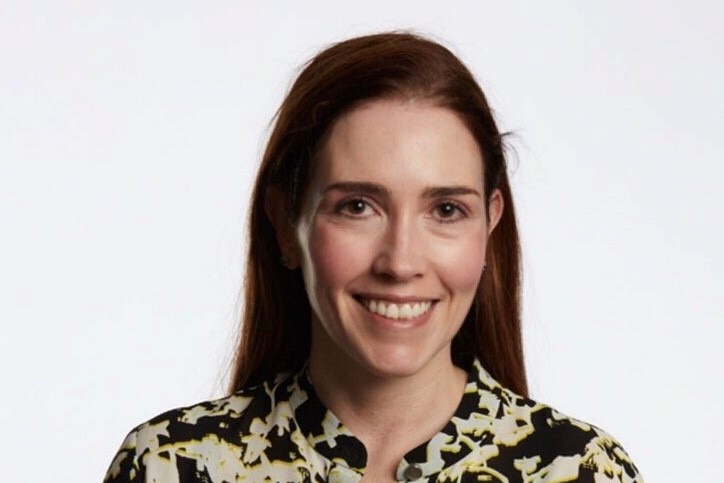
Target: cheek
(336, 257)
(462, 261)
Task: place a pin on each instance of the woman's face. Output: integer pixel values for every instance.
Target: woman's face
(391, 238)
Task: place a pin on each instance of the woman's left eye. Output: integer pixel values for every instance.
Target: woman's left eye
(448, 211)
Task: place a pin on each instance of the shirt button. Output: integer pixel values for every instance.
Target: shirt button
(412, 472)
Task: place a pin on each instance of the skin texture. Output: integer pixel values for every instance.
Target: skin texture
(396, 212)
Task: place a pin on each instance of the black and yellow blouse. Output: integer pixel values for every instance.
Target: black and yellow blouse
(281, 432)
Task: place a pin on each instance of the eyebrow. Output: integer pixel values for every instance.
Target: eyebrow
(443, 191)
(357, 187)
(365, 187)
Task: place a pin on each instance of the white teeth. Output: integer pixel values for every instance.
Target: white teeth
(397, 311)
(406, 311)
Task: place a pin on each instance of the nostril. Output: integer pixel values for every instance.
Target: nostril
(394, 265)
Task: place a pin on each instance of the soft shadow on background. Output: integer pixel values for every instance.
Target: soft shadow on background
(129, 133)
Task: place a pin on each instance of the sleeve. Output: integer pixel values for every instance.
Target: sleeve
(125, 466)
(142, 456)
(605, 460)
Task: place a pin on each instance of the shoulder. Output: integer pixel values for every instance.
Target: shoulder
(556, 443)
(541, 442)
(167, 445)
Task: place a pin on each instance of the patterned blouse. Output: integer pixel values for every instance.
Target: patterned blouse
(280, 431)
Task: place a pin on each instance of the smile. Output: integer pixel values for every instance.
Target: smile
(396, 311)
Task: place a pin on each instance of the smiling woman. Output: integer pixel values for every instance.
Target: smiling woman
(381, 334)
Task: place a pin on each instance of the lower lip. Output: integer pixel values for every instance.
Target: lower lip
(398, 323)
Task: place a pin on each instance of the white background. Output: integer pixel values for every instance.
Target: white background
(130, 132)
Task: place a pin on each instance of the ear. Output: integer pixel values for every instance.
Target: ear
(276, 209)
(495, 209)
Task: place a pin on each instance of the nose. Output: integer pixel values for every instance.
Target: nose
(400, 256)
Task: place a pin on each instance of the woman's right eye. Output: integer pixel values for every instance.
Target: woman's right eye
(356, 207)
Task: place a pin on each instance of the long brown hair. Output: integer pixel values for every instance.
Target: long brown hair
(275, 331)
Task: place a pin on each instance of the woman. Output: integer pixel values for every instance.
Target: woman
(381, 331)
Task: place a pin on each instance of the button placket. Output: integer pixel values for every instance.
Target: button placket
(412, 472)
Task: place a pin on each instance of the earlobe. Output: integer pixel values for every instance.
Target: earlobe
(495, 209)
(276, 210)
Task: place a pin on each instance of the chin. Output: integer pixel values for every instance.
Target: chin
(397, 363)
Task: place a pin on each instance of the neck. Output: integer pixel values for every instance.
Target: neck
(406, 409)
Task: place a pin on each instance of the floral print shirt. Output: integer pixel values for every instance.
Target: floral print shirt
(280, 431)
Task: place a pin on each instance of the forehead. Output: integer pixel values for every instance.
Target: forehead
(398, 141)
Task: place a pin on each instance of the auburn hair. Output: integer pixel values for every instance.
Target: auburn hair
(275, 326)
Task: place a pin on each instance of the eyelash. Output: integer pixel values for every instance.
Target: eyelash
(343, 206)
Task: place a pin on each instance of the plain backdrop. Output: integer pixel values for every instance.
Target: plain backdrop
(130, 132)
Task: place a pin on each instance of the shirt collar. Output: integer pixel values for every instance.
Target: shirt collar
(483, 401)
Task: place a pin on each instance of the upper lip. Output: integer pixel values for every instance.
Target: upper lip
(395, 299)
